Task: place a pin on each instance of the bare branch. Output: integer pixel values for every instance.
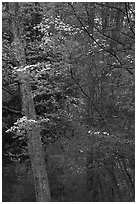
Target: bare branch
(128, 18)
(103, 48)
(11, 110)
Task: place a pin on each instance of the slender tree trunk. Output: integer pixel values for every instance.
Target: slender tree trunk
(105, 19)
(35, 147)
(90, 69)
(118, 19)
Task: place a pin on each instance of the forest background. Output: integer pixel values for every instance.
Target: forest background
(68, 101)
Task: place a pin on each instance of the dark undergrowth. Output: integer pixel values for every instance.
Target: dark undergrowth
(93, 165)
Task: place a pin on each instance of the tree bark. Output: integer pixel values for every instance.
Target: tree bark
(35, 147)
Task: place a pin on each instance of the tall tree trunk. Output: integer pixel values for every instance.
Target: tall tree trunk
(35, 147)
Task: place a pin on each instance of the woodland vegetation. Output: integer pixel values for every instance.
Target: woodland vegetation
(68, 93)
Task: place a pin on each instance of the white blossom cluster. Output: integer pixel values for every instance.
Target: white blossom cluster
(23, 124)
(97, 132)
(20, 127)
(58, 25)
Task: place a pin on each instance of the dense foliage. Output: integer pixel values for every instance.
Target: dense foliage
(80, 58)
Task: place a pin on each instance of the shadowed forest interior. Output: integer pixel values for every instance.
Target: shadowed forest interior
(68, 101)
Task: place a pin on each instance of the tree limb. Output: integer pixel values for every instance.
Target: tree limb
(9, 90)
(11, 110)
(100, 31)
(128, 19)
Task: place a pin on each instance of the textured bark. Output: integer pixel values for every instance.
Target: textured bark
(35, 147)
